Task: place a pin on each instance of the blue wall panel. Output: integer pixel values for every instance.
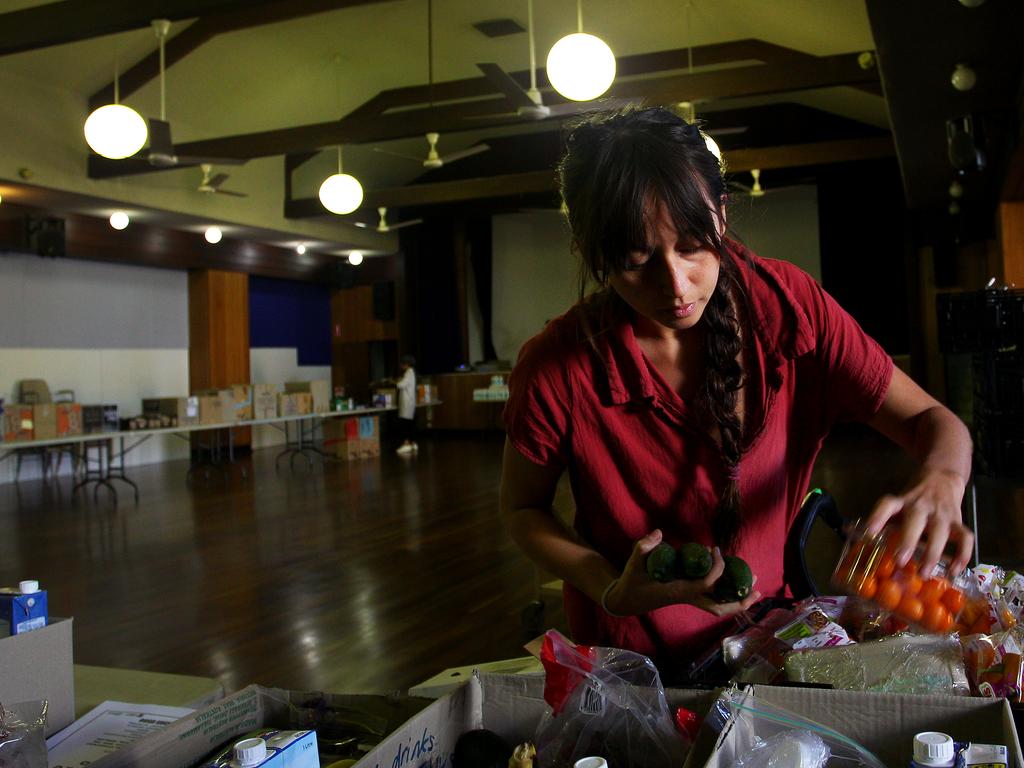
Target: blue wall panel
(286, 313)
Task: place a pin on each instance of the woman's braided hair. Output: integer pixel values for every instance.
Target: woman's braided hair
(614, 168)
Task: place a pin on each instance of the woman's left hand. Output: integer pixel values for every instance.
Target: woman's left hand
(928, 510)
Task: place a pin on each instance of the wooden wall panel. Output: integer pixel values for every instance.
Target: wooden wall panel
(1011, 228)
(352, 317)
(458, 409)
(218, 331)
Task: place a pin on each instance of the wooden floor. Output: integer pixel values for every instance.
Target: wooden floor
(356, 577)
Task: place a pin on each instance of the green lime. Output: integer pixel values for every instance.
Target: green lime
(735, 582)
(694, 560)
(661, 562)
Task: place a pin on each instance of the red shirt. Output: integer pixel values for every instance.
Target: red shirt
(638, 459)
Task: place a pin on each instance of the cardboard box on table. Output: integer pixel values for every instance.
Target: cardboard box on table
(242, 402)
(44, 421)
(320, 390)
(185, 410)
(294, 404)
(17, 422)
(69, 419)
(40, 665)
(883, 723)
(264, 401)
(216, 406)
(99, 418)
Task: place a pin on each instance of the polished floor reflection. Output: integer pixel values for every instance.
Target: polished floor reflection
(357, 577)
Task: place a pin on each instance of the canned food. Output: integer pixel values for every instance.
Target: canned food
(933, 603)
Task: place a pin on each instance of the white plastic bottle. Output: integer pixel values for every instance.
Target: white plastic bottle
(933, 750)
(249, 752)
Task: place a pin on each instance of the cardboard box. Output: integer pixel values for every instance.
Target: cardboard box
(191, 738)
(34, 391)
(884, 723)
(44, 421)
(294, 404)
(320, 391)
(99, 418)
(264, 401)
(241, 401)
(17, 422)
(69, 419)
(39, 665)
(183, 410)
(445, 682)
(216, 406)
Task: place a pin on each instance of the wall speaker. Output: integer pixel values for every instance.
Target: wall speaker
(384, 301)
(44, 236)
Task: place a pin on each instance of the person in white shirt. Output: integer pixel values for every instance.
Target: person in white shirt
(407, 406)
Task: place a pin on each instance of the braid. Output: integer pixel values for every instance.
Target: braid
(722, 383)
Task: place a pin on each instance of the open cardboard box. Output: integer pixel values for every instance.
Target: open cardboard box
(40, 665)
(883, 723)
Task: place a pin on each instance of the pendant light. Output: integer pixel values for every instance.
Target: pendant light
(355, 258)
(341, 193)
(115, 131)
(580, 66)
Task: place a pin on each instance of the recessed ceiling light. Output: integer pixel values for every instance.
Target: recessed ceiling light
(300, 249)
(119, 220)
(213, 235)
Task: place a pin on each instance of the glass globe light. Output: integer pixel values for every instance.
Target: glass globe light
(712, 146)
(341, 193)
(300, 249)
(355, 258)
(213, 235)
(119, 220)
(115, 131)
(580, 66)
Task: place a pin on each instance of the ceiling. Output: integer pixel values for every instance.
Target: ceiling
(270, 79)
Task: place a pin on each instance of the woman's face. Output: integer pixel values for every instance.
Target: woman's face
(673, 282)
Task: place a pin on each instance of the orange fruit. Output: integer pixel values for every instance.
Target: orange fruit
(936, 618)
(889, 594)
(910, 608)
(868, 588)
(912, 583)
(932, 590)
(954, 600)
(886, 565)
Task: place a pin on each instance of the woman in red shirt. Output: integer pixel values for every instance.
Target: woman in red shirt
(688, 396)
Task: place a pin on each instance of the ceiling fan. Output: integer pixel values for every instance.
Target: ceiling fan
(161, 152)
(433, 159)
(383, 225)
(754, 190)
(211, 184)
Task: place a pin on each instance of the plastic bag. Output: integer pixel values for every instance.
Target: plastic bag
(22, 743)
(901, 664)
(606, 702)
(994, 664)
(754, 724)
(788, 749)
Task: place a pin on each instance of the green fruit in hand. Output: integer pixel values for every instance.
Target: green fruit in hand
(661, 562)
(735, 582)
(694, 560)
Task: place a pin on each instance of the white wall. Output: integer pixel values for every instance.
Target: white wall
(271, 365)
(535, 275)
(111, 333)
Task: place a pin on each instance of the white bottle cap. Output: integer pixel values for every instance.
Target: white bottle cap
(591, 762)
(28, 587)
(250, 752)
(933, 748)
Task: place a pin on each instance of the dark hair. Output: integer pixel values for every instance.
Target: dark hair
(408, 360)
(615, 167)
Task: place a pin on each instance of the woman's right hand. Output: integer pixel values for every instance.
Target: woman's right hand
(635, 592)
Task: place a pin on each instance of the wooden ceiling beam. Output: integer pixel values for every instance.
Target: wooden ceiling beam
(754, 80)
(205, 29)
(70, 21)
(546, 181)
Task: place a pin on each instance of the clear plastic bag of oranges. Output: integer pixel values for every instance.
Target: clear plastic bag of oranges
(930, 603)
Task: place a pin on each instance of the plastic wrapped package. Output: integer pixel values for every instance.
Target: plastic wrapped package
(22, 743)
(762, 734)
(900, 664)
(994, 664)
(607, 702)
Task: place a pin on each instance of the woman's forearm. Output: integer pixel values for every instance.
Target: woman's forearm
(942, 443)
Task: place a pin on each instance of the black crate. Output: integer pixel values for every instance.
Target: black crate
(999, 442)
(998, 378)
(980, 321)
